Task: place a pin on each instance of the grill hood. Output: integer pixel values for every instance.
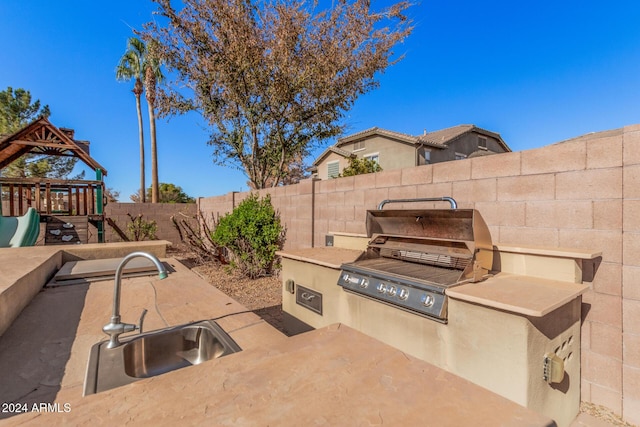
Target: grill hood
(447, 229)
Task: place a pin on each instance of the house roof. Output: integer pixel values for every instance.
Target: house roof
(446, 136)
(402, 137)
(437, 139)
(41, 137)
(329, 150)
(397, 136)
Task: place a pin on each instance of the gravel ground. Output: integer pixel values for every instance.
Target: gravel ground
(264, 297)
(604, 414)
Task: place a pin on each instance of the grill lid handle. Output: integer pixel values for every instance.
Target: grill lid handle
(453, 203)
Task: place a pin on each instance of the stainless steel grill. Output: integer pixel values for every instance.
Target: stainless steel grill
(415, 255)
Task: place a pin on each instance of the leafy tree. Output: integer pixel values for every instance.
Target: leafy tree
(360, 166)
(142, 65)
(273, 78)
(111, 194)
(169, 193)
(41, 166)
(16, 111)
(293, 173)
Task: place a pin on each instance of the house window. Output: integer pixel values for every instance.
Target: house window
(460, 156)
(482, 142)
(426, 157)
(375, 157)
(333, 169)
(358, 145)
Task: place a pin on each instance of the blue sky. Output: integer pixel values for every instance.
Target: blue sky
(535, 72)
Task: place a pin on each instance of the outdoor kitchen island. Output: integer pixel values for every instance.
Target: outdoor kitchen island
(516, 333)
(331, 376)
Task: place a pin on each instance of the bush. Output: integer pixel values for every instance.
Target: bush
(195, 233)
(360, 166)
(252, 234)
(141, 229)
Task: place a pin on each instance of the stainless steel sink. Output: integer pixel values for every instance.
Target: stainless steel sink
(155, 353)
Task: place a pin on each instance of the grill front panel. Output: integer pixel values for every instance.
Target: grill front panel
(414, 256)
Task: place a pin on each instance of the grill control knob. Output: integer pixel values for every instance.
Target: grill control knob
(403, 294)
(351, 280)
(391, 290)
(381, 288)
(427, 300)
(364, 283)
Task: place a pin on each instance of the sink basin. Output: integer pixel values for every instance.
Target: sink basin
(155, 353)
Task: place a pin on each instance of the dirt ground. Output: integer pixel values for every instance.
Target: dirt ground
(264, 297)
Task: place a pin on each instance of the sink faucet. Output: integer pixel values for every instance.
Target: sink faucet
(115, 328)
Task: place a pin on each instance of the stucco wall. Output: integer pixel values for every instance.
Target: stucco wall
(581, 193)
(466, 144)
(323, 171)
(392, 154)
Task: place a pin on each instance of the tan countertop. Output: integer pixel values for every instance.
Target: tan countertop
(330, 376)
(43, 355)
(548, 251)
(530, 296)
(25, 269)
(331, 257)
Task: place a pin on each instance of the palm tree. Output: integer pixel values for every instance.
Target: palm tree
(152, 76)
(131, 66)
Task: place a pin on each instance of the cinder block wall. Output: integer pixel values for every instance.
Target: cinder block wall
(581, 193)
(159, 212)
(294, 202)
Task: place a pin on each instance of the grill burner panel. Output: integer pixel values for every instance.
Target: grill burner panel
(420, 298)
(442, 248)
(425, 275)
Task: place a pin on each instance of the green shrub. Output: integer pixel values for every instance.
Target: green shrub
(360, 166)
(252, 234)
(141, 229)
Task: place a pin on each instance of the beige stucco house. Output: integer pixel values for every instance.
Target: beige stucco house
(394, 150)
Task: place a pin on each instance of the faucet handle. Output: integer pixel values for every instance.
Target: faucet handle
(141, 321)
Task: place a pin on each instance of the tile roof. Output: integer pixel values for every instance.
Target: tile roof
(332, 149)
(594, 135)
(438, 139)
(445, 136)
(377, 131)
(442, 138)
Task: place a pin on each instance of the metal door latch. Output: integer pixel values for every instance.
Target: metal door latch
(553, 368)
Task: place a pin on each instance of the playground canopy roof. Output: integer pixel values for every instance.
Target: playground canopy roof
(41, 137)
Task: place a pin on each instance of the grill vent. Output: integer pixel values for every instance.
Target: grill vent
(439, 260)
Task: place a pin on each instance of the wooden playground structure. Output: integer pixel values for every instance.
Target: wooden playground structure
(66, 206)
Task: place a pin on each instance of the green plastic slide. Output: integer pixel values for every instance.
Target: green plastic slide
(16, 231)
